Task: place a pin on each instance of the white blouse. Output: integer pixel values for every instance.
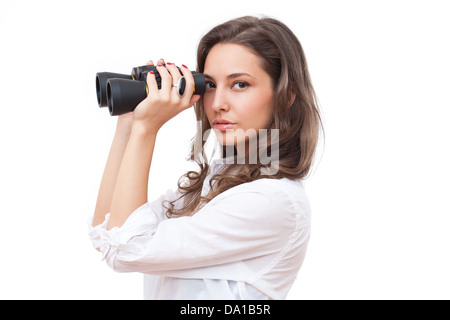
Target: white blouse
(249, 242)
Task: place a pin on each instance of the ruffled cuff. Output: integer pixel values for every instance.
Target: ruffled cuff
(110, 242)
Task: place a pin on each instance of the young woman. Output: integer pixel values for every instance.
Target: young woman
(233, 229)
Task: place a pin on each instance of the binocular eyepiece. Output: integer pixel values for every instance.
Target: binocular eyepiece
(122, 93)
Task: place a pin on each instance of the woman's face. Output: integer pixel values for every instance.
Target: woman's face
(239, 93)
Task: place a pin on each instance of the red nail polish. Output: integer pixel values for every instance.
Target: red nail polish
(184, 66)
(151, 72)
(169, 63)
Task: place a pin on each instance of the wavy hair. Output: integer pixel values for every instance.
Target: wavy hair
(295, 111)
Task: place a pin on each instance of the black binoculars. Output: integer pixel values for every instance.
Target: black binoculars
(122, 93)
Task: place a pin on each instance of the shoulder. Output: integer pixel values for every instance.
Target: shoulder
(270, 199)
(274, 190)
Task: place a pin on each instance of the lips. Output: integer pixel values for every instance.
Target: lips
(223, 124)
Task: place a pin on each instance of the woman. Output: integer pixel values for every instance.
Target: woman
(238, 228)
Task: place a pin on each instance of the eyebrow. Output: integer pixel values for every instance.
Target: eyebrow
(231, 76)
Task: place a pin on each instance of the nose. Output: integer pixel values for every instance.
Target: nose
(220, 101)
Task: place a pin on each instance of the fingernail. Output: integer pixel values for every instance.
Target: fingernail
(169, 63)
(151, 72)
(184, 66)
(159, 65)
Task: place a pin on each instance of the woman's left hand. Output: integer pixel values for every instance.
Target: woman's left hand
(162, 105)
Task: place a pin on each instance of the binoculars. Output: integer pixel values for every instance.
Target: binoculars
(122, 93)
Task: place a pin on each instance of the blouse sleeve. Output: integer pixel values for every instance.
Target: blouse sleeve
(249, 221)
(142, 221)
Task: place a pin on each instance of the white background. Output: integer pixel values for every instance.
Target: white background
(379, 191)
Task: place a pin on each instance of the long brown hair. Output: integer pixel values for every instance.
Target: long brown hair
(298, 121)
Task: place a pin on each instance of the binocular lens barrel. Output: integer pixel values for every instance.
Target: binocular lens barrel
(122, 93)
(100, 84)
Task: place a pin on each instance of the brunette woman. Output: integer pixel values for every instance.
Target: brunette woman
(238, 227)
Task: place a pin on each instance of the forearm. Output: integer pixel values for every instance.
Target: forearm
(131, 187)
(111, 170)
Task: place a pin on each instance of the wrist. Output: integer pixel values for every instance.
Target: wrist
(124, 125)
(142, 129)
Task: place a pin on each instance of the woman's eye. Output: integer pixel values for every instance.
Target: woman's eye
(210, 85)
(240, 85)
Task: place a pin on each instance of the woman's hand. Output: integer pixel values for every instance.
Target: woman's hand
(125, 121)
(162, 105)
(112, 167)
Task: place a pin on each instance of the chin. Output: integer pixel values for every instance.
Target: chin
(228, 137)
(224, 142)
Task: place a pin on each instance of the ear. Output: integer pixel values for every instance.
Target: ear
(291, 102)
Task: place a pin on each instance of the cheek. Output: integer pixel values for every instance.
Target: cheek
(207, 107)
(257, 111)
